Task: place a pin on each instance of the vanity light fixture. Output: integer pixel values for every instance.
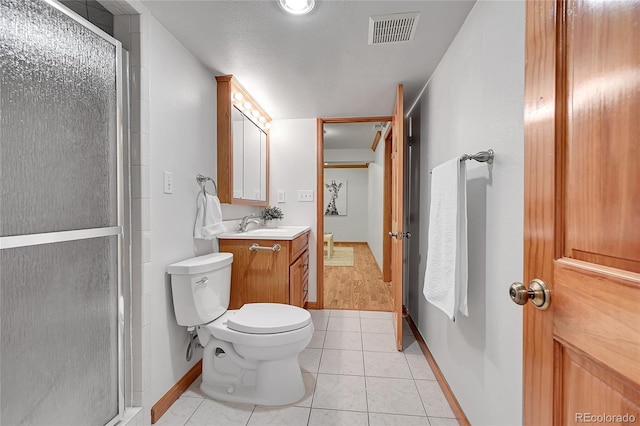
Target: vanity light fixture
(297, 7)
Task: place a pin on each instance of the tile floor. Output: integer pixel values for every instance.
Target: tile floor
(354, 376)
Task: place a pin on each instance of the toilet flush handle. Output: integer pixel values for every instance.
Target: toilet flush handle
(203, 281)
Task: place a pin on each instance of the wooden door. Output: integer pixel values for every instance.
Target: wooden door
(582, 212)
(397, 200)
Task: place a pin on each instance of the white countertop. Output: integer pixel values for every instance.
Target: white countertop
(279, 233)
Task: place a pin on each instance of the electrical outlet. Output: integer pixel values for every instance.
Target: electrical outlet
(305, 195)
(281, 196)
(168, 182)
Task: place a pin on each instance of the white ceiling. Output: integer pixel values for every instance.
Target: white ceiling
(349, 135)
(318, 65)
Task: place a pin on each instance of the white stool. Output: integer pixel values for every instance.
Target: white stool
(328, 240)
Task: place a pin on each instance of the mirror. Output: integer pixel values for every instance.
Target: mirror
(243, 146)
(249, 158)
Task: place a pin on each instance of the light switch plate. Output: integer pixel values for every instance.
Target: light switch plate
(168, 182)
(281, 196)
(305, 195)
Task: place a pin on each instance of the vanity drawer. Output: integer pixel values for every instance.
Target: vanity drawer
(299, 245)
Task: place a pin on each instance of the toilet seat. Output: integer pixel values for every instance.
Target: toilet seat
(219, 328)
(268, 318)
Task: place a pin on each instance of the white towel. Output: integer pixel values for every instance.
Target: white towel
(208, 217)
(446, 276)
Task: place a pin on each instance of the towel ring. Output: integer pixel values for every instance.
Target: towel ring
(202, 181)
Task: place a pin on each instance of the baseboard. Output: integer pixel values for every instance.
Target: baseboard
(311, 305)
(174, 393)
(451, 399)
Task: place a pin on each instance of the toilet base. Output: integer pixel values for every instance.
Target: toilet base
(268, 389)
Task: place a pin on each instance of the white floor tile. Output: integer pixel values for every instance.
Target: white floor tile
(379, 419)
(321, 417)
(340, 393)
(319, 321)
(345, 313)
(294, 416)
(419, 366)
(393, 396)
(346, 340)
(343, 324)
(180, 412)
(441, 421)
(317, 340)
(341, 362)
(386, 364)
(310, 360)
(379, 342)
(194, 390)
(374, 325)
(310, 386)
(410, 345)
(433, 399)
(217, 413)
(376, 314)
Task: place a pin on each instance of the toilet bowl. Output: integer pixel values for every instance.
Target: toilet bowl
(250, 354)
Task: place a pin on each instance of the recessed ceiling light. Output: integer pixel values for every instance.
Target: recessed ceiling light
(297, 7)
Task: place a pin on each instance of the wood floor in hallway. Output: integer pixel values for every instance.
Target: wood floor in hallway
(359, 287)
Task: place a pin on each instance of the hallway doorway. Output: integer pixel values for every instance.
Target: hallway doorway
(353, 211)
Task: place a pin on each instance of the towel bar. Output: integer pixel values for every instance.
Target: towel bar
(257, 247)
(481, 157)
(202, 181)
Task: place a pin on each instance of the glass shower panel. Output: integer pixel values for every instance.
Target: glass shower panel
(58, 304)
(58, 121)
(60, 353)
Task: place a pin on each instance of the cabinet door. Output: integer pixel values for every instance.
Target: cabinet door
(299, 280)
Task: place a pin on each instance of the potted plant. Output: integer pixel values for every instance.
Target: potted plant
(270, 214)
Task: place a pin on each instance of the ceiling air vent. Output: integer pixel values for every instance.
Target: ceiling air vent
(396, 28)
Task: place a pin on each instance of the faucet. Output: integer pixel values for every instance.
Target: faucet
(246, 221)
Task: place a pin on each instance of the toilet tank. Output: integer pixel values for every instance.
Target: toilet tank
(201, 287)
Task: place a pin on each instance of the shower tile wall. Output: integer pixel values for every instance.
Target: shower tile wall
(132, 31)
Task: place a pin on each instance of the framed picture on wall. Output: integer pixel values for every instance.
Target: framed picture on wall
(335, 197)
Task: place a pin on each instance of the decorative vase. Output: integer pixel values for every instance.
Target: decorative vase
(271, 224)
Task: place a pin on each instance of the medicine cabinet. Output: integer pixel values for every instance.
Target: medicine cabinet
(243, 146)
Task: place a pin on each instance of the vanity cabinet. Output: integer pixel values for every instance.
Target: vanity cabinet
(268, 276)
(243, 146)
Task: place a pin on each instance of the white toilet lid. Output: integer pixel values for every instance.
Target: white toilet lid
(268, 318)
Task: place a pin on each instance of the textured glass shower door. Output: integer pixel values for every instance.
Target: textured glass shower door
(60, 218)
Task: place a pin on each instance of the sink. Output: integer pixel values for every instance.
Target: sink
(280, 233)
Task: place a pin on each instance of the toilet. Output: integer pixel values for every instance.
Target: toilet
(250, 354)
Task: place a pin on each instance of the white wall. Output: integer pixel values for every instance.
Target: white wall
(354, 227)
(183, 141)
(182, 106)
(376, 203)
(474, 101)
(292, 166)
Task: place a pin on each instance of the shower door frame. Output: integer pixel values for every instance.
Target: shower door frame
(26, 240)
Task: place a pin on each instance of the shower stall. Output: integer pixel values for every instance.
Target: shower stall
(62, 215)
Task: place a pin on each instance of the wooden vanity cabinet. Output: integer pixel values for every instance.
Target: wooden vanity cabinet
(268, 276)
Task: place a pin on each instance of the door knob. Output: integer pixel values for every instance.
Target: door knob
(399, 235)
(393, 235)
(538, 293)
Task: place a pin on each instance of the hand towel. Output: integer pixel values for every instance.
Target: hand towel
(208, 217)
(446, 276)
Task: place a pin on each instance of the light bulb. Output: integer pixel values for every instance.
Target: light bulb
(255, 113)
(247, 106)
(237, 96)
(262, 119)
(297, 7)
